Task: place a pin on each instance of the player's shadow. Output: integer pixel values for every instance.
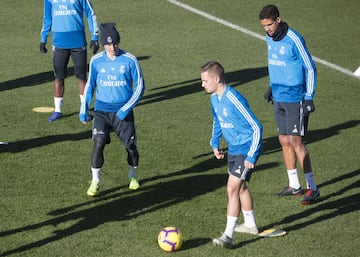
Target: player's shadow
(192, 86)
(194, 243)
(271, 144)
(123, 204)
(40, 78)
(335, 208)
(331, 209)
(108, 194)
(23, 145)
(32, 80)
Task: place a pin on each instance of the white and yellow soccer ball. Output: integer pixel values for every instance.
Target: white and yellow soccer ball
(170, 239)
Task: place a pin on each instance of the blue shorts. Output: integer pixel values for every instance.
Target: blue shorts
(237, 168)
(290, 119)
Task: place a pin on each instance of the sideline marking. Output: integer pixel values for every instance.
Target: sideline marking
(254, 34)
(357, 72)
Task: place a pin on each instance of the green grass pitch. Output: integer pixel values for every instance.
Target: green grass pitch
(45, 168)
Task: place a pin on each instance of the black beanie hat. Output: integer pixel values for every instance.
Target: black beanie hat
(109, 34)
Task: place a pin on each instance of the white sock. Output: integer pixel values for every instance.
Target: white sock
(230, 225)
(58, 104)
(249, 218)
(293, 178)
(132, 172)
(310, 182)
(95, 174)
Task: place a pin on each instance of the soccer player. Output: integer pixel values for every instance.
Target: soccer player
(118, 80)
(292, 74)
(233, 119)
(65, 20)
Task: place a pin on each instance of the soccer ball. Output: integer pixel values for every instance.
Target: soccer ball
(170, 239)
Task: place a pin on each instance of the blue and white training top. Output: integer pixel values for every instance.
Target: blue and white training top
(64, 18)
(292, 71)
(119, 84)
(234, 120)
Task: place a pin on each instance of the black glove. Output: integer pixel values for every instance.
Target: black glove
(268, 95)
(308, 107)
(94, 44)
(43, 49)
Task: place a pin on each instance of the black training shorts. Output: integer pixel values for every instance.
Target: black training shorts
(61, 60)
(290, 119)
(105, 122)
(237, 168)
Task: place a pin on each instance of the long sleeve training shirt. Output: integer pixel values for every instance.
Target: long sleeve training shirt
(64, 18)
(119, 84)
(234, 120)
(292, 71)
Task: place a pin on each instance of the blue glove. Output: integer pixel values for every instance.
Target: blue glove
(94, 44)
(43, 49)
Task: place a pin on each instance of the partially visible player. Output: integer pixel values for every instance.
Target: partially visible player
(292, 74)
(65, 20)
(117, 78)
(233, 119)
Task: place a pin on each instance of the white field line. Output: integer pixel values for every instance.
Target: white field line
(253, 34)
